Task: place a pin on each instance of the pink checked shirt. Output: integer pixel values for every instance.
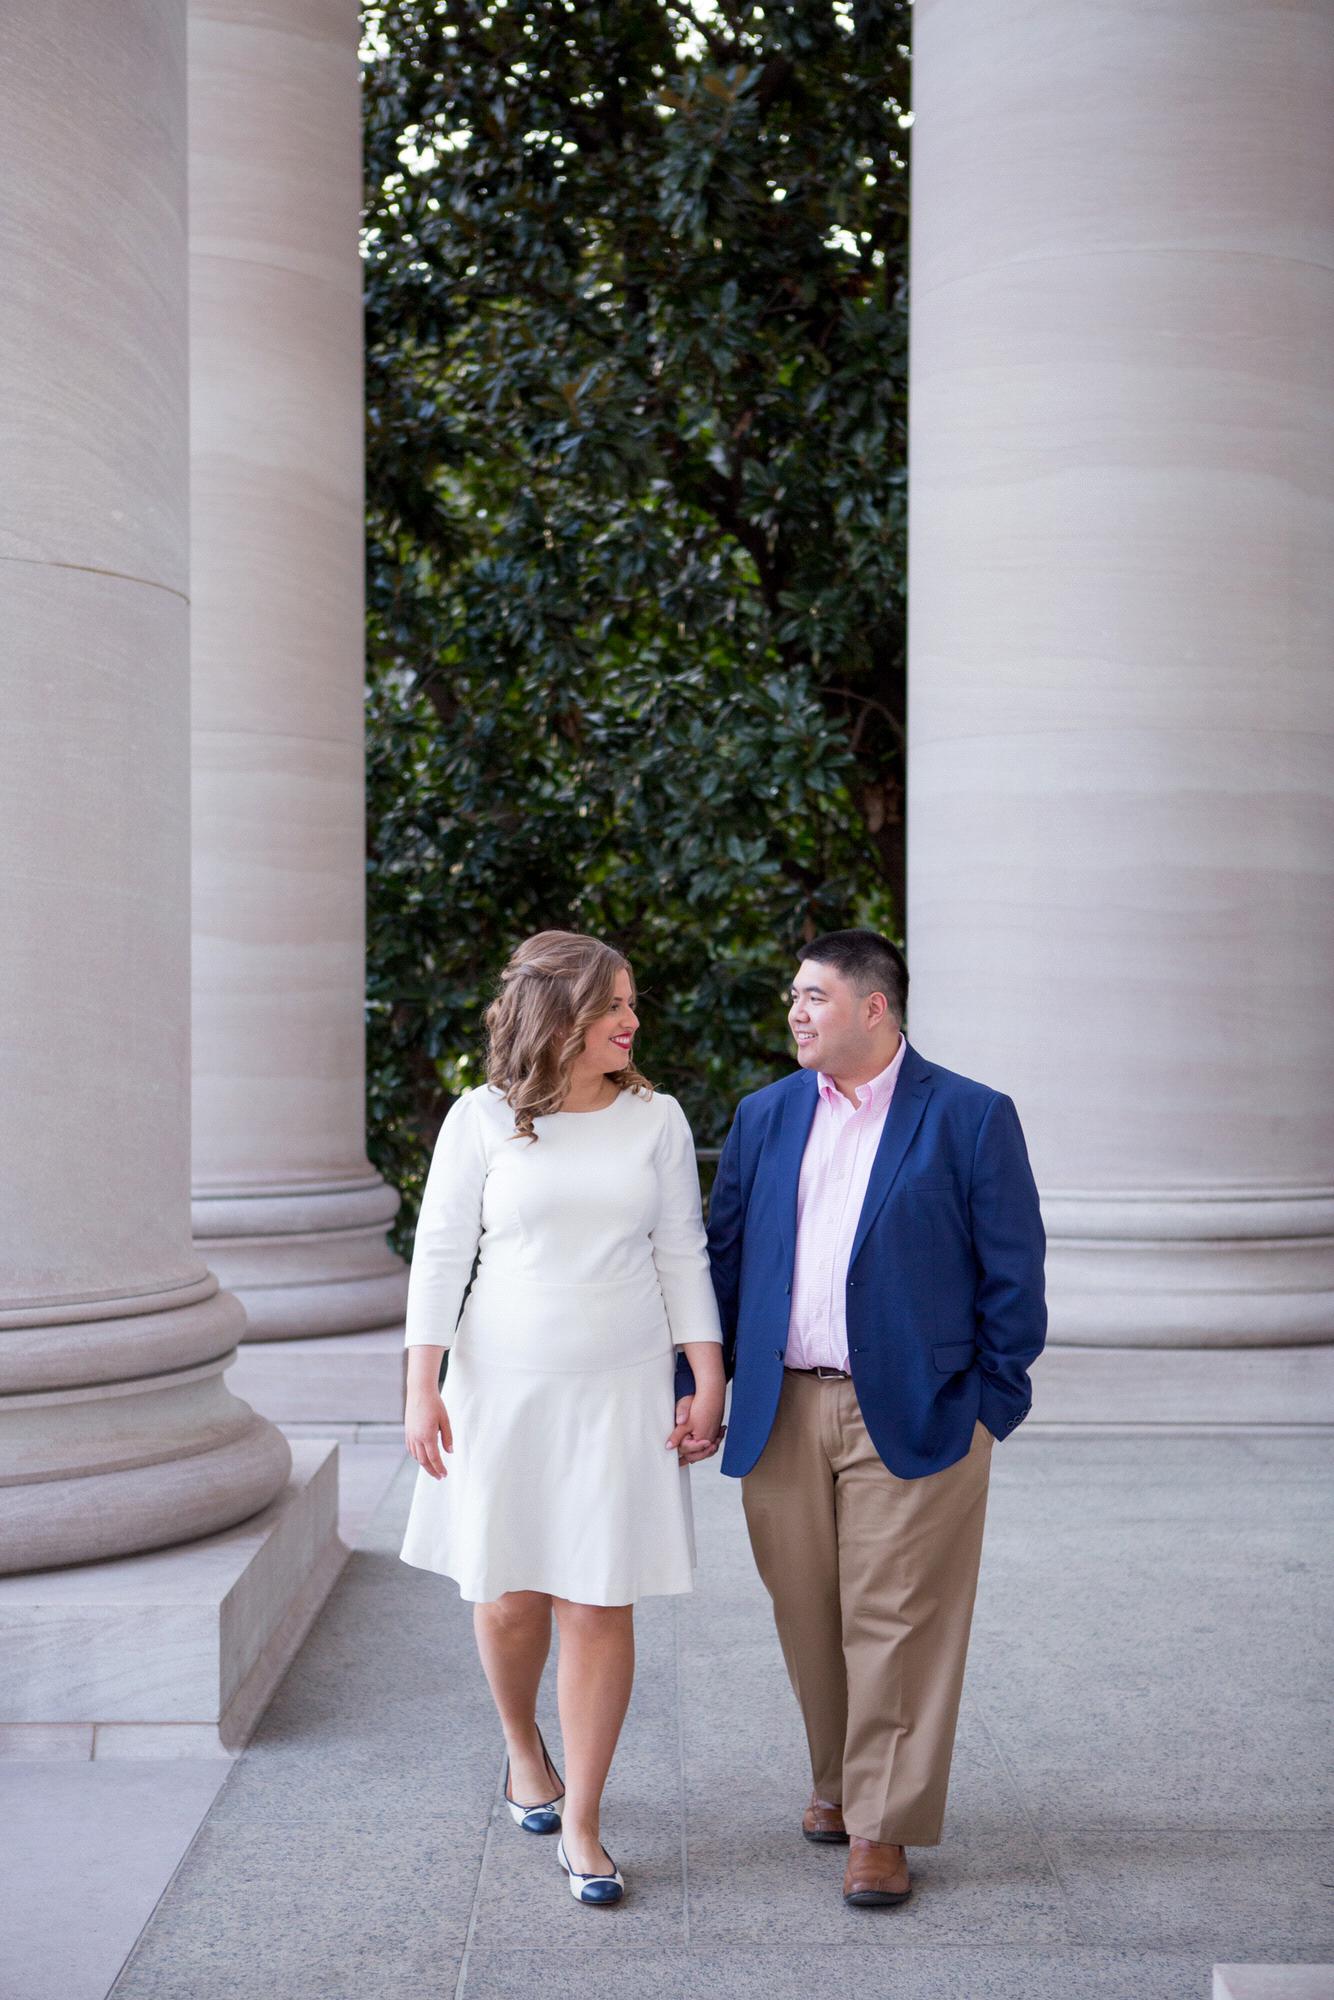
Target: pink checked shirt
(835, 1170)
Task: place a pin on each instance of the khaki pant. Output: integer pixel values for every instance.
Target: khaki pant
(872, 1579)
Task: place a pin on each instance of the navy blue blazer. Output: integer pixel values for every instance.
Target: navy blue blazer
(945, 1303)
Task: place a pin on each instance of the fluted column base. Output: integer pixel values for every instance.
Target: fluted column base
(305, 1261)
(118, 1432)
(324, 1296)
(1209, 1268)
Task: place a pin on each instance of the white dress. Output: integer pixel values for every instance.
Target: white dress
(591, 1270)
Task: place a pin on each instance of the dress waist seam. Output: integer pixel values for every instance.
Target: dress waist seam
(491, 1354)
(510, 1277)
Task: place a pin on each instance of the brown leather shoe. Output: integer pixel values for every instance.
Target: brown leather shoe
(876, 1875)
(824, 1823)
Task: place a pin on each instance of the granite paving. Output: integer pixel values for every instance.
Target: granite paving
(1142, 1781)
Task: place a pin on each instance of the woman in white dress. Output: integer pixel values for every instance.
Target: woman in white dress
(554, 1469)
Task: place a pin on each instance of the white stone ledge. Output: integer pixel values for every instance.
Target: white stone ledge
(176, 1652)
(1273, 1982)
(1184, 1386)
(345, 1378)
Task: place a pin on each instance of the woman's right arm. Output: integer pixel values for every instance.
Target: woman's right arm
(449, 1230)
(426, 1430)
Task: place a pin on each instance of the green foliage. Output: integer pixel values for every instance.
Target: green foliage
(636, 354)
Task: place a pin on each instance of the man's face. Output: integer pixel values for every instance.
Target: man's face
(830, 1020)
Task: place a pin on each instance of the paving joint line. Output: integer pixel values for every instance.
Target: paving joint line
(1015, 1947)
(170, 1882)
(681, 1774)
(1071, 1915)
(460, 1984)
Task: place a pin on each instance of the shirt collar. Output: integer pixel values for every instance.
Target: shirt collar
(874, 1093)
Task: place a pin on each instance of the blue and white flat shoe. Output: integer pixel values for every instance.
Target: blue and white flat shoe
(542, 1818)
(592, 1888)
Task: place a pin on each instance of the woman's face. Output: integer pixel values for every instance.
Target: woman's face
(610, 1039)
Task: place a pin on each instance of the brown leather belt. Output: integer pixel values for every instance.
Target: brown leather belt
(821, 1374)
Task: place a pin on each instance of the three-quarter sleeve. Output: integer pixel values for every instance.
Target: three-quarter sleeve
(679, 1250)
(449, 1229)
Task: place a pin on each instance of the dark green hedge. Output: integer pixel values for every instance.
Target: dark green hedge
(636, 301)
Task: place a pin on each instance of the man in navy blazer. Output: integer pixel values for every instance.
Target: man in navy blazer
(877, 1251)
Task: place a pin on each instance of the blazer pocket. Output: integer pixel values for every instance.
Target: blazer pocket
(954, 1354)
(930, 1184)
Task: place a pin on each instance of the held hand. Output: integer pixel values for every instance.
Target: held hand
(707, 1428)
(426, 1431)
(681, 1428)
(698, 1431)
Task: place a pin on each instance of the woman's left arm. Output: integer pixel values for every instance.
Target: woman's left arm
(699, 1426)
(680, 1256)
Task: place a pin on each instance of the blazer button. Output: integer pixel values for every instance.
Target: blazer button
(778, 1354)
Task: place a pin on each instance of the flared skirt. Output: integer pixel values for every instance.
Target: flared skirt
(560, 1400)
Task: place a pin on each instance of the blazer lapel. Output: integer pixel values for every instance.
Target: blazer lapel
(788, 1145)
(901, 1121)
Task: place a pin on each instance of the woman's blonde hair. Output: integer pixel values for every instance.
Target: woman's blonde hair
(553, 989)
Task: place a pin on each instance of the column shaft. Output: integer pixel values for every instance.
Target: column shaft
(287, 1206)
(117, 1432)
(1122, 606)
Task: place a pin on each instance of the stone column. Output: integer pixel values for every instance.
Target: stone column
(117, 1431)
(287, 1208)
(1121, 844)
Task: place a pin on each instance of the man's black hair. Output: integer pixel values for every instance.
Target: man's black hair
(869, 962)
